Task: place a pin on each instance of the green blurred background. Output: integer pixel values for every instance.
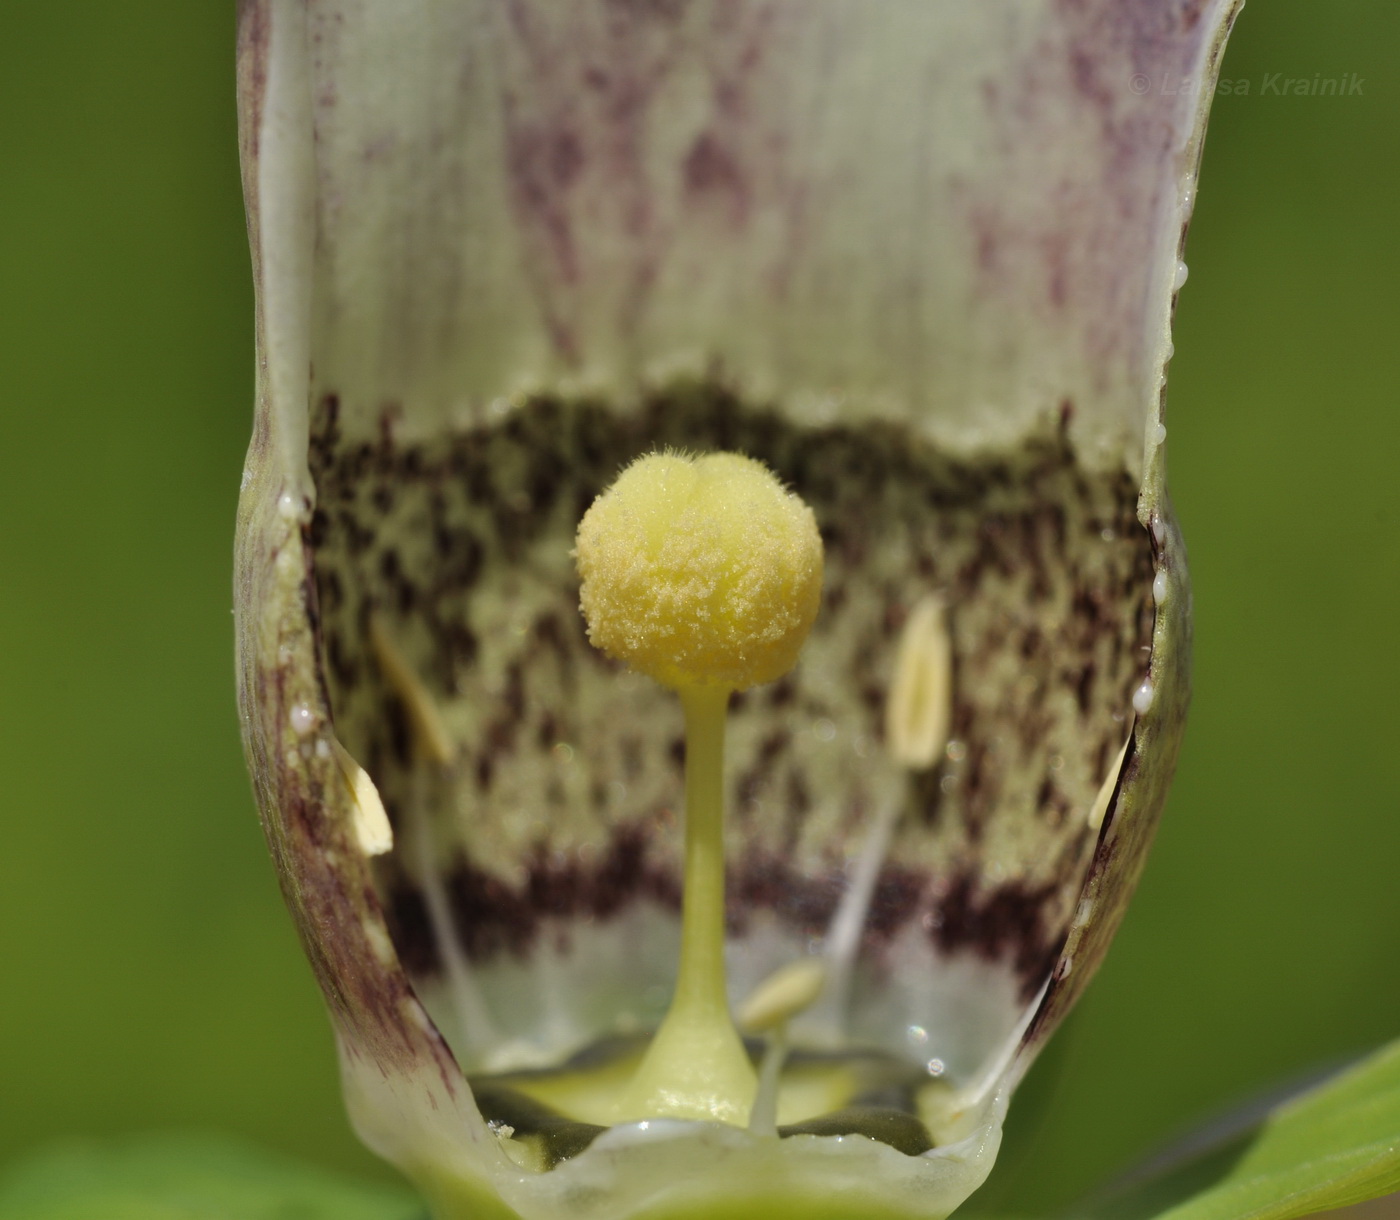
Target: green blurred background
(148, 976)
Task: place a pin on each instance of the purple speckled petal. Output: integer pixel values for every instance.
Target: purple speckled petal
(920, 256)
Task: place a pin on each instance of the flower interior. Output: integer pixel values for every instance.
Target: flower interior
(919, 261)
(910, 811)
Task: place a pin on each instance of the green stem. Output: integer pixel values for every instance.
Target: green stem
(696, 1066)
(700, 985)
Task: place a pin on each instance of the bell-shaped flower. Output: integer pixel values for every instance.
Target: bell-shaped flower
(916, 257)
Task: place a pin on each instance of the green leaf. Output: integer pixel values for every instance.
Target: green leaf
(188, 1178)
(1334, 1145)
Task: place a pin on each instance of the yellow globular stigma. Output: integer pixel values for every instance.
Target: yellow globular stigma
(704, 573)
(700, 571)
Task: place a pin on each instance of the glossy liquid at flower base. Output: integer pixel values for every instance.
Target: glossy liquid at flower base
(543, 1116)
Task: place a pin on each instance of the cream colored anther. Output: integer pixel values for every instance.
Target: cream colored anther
(368, 819)
(785, 993)
(430, 735)
(919, 709)
(918, 716)
(1099, 809)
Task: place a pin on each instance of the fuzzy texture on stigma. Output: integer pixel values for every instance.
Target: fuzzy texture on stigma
(700, 571)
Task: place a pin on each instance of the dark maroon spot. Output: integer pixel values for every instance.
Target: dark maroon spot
(709, 168)
(769, 882)
(1008, 922)
(894, 902)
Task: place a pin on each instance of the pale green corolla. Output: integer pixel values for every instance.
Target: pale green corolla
(919, 257)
